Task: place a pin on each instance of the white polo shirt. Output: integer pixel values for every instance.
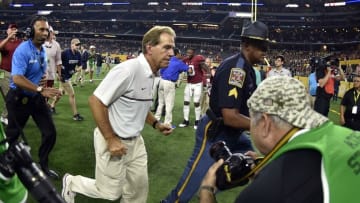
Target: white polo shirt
(127, 92)
(281, 72)
(53, 54)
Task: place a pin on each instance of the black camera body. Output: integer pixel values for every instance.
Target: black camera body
(21, 34)
(17, 159)
(234, 169)
(321, 63)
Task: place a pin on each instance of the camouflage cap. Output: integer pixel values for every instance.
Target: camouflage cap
(285, 97)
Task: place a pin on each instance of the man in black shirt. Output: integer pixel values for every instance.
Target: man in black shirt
(350, 105)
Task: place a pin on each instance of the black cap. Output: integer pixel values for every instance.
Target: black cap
(255, 30)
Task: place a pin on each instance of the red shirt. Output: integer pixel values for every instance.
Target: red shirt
(7, 53)
(194, 63)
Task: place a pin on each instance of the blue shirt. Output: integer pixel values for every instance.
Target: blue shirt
(258, 76)
(176, 66)
(29, 62)
(84, 59)
(312, 84)
(69, 61)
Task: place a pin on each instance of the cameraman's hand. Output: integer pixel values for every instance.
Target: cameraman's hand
(329, 69)
(12, 34)
(210, 177)
(116, 147)
(252, 154)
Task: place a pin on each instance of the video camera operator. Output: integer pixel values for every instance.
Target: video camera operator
(7, 49)
(308, 158)
(327, 71)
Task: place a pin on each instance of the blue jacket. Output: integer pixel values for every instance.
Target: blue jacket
(176, 66)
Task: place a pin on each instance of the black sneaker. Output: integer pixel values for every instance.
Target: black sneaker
(77, 117)
(196, 124)
(52, 110)
(185, 123)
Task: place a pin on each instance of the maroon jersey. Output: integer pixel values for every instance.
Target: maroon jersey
(194, 63)
(7, 53)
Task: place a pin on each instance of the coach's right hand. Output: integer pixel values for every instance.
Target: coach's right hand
(116, 147)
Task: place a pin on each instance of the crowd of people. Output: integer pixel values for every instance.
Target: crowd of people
(256, 112)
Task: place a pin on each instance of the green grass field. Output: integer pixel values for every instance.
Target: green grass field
(74, 152)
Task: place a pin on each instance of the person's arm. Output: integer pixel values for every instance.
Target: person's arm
(6, 40)
(205, 68)
(101, 117)
(163, 128)
(234, 118)
(342, 113)
(341, 76)
(208, 185)
(26, 84)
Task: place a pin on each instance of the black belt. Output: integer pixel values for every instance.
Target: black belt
(128, 138)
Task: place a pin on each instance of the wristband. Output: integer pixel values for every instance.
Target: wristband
(209, 188)
(154, 124)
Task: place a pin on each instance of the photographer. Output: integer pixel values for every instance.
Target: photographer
(7, 49)
(327, 71)
(308, 158)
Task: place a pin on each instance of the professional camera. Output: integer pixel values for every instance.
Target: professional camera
(21, 34)
(234, 169)
(17, 159)
(321, 63)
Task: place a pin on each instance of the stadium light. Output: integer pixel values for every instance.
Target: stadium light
(334, 4)
(153, 3)
(20, 5)
(76, 4)
(240, 15)
(44, 12)
(49, 5)
(291, 5)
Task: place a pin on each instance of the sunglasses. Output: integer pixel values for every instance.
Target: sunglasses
(78, 44)
(356, 80)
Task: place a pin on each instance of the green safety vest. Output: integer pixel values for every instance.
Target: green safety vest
(12, 190)
(340, 149)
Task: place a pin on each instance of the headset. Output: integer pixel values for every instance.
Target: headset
(30, 31)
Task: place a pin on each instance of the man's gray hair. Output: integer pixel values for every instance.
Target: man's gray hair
(279, 122)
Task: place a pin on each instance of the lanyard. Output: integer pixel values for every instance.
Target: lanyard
(356, 96)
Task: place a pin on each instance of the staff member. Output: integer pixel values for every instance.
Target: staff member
(26, 96)
(71, 59)
(166, 94)
(350, 106)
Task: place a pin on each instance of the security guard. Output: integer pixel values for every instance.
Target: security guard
(227, 119)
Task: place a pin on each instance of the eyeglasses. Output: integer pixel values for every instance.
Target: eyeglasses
(78, 44)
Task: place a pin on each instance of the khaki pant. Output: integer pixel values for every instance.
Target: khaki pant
(115, 177)
(166, 99)
(4, 83)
